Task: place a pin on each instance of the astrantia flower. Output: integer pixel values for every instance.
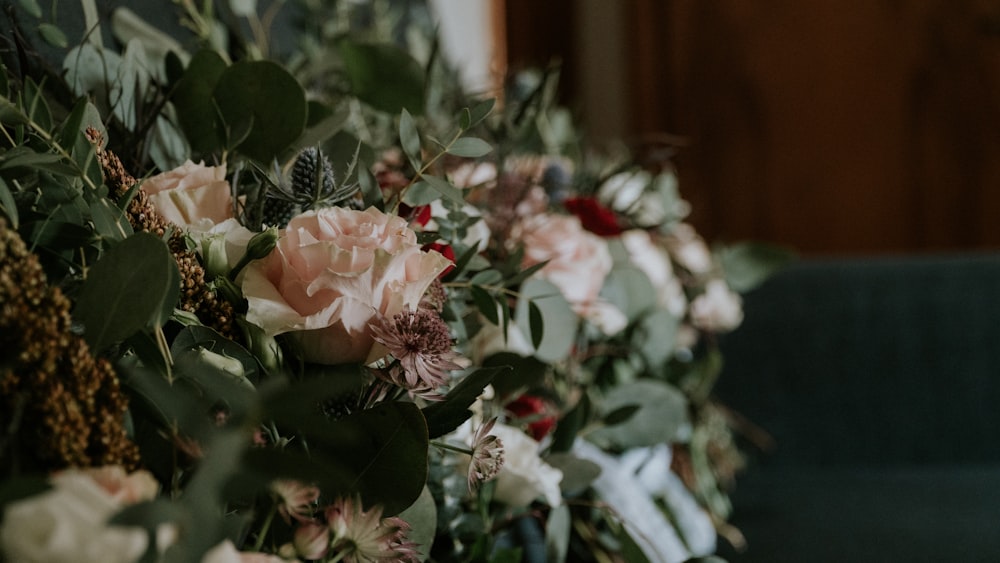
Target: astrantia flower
(487, 456)
(421, 342)
(295, 499)
(364, 536)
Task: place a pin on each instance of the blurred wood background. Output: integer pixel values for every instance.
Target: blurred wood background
(831, 126)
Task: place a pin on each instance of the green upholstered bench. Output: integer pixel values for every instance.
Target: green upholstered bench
(879, 380)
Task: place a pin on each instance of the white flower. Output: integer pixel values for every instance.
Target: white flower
(689, 249)
(69, 522)
(608, 318)
(524, 476)
(221, 245)
(718, 309)
(190, 193)
(474, 174)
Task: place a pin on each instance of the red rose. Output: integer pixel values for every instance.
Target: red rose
(536, 410)
(595, 217)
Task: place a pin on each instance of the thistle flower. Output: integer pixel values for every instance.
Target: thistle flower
(487, 456)
(421, 343)
(360, 536)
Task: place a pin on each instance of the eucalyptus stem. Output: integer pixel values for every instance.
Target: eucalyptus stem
(423, 169)
(259, 544)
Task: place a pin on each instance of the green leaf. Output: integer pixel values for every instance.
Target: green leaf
(11, 114)
(747, 265)
(487, 277)
(375, 444)
(7, 205)
(32, 7)
(485, 303)
(536, 324)
(125, 290)
(445, 188)
(470, 147)
(422, 518)
(620, 415)
(578, 473)
(449, 414)
(661, 416)
(556, 312)
(243, 8)
(192, 97)
(524, 372)
(53, 35)
(109, 221)
(192, 338)
(570, 425)
(264, 93)
(409, 138)
(383, 76)
(655, 335)
(480, 111)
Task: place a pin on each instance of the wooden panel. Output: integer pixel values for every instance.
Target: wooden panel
(832, 126)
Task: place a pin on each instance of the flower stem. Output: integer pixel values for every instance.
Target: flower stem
(449, 447)
(265, 527)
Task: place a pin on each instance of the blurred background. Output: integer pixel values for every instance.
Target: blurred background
(835, 127)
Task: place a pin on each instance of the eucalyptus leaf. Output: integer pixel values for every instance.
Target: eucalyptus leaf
(31, 6)
(578, 473)
(656, 336)
(420, 193)
(109, 221)
(485, 303)
(523, 372)
(7, 204)
(422, 518)
(372, 67)
(445, 188)
(53, 35)
(747, 265)
(479, 111)
(125, 290)
(11, 114)
(250, 91)
(661, 418)
(556, 311)
(470, 147)
(192, 97)
(409, 138)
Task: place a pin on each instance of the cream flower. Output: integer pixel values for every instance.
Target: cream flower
(68, 523)
(332, 272)
(191, 193)
(524, 476)
(718, 309)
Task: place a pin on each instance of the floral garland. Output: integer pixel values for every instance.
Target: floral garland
(390, 322)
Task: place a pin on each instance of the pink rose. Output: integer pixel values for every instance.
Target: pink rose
(332, 271)
(578, 261)
(191, 193)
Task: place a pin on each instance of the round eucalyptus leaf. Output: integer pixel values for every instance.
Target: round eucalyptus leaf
(126, 290)
(422, 518)
(384, 76)
(661, 417)
(263, 97)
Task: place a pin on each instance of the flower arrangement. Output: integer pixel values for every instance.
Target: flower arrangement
(388, 320)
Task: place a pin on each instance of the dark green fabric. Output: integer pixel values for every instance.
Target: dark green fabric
(879, 381)
(872, 361)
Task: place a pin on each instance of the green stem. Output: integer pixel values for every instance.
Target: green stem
(265, 527)
(449, 447)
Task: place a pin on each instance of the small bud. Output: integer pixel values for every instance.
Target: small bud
(228, 290)
(213, 253)
(232, 366)
(260, 245)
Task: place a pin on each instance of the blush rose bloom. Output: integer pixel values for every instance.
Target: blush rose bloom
(191, 194)
(578, 261)
(332, 271)
(68, 523)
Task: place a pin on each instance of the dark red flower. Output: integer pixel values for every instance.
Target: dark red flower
(595, 217)
(536, 412)
(446, 251)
